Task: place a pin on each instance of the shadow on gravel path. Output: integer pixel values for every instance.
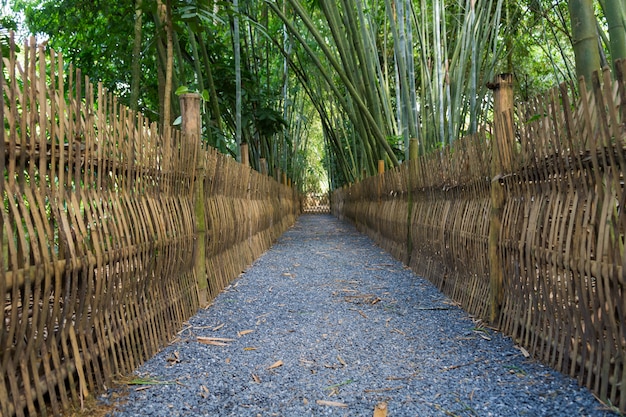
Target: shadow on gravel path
(326, 323)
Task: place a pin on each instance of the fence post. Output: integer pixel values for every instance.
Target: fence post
(502, 88)
(191, 127)
(244, 154)
(412, 180)
(381, 171)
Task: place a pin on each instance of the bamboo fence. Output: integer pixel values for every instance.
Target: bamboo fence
(560, 236)
(315, 204)
(100, 232)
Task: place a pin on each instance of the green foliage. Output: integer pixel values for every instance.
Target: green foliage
(94, 35)
(328, 88)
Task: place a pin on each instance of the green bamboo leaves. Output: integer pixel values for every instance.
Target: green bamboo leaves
(398, 72)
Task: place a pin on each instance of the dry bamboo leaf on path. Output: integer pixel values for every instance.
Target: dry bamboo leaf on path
(216, 328)
(380, 410)
(276, 365)
(524, 351)
(332, 403)
(341, 361)
(214, 341)
(256, 378)
(249, 348)
(244, 332)
(383, 389)
(449, 368)
(174, 358)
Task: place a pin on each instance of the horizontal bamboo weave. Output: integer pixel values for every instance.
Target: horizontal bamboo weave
(98, 233)
(561, 242)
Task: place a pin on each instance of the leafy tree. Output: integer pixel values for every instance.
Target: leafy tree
(370, 75)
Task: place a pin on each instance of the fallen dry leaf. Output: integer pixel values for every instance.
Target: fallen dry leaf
(276, 365)
(398, 331)
(341, 361)
(212, 343)
(216, 328)
(215, 341)
(174, 358)
(204, 392)
(244, 332)
(256, 378)
(383, 389)
(484, 336)
(227, 360)
(332, 403)
(250, 348)
(380, 410)
(524, 351)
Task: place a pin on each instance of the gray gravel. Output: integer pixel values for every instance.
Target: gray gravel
(353, 327)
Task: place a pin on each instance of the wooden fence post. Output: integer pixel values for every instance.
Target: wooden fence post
(502, 88)
(381, 171)
(412, 180)
(191, 127)
(244, 154)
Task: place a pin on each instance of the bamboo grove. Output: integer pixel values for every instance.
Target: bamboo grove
(360, 77)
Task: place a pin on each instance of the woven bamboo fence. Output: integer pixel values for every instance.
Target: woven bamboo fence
(315, 204)
(559, 238)
(100, 233)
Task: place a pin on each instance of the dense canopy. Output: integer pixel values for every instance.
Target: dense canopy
(325, 89)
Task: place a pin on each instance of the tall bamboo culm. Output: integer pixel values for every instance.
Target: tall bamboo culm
(560, 241)
(103, 225)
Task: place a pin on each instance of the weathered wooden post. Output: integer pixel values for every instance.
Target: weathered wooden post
(412, 181)
(381, 171)
(502, 88)
(244, 154)
(191, 127)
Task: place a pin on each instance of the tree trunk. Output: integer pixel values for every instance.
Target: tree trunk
(166, 17)
(584, 38)
(238, 98)
(615, 13)
(136, 63)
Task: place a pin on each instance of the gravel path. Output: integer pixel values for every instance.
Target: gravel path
(326, 323)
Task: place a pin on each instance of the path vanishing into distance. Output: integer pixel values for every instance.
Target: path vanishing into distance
(326, 323)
